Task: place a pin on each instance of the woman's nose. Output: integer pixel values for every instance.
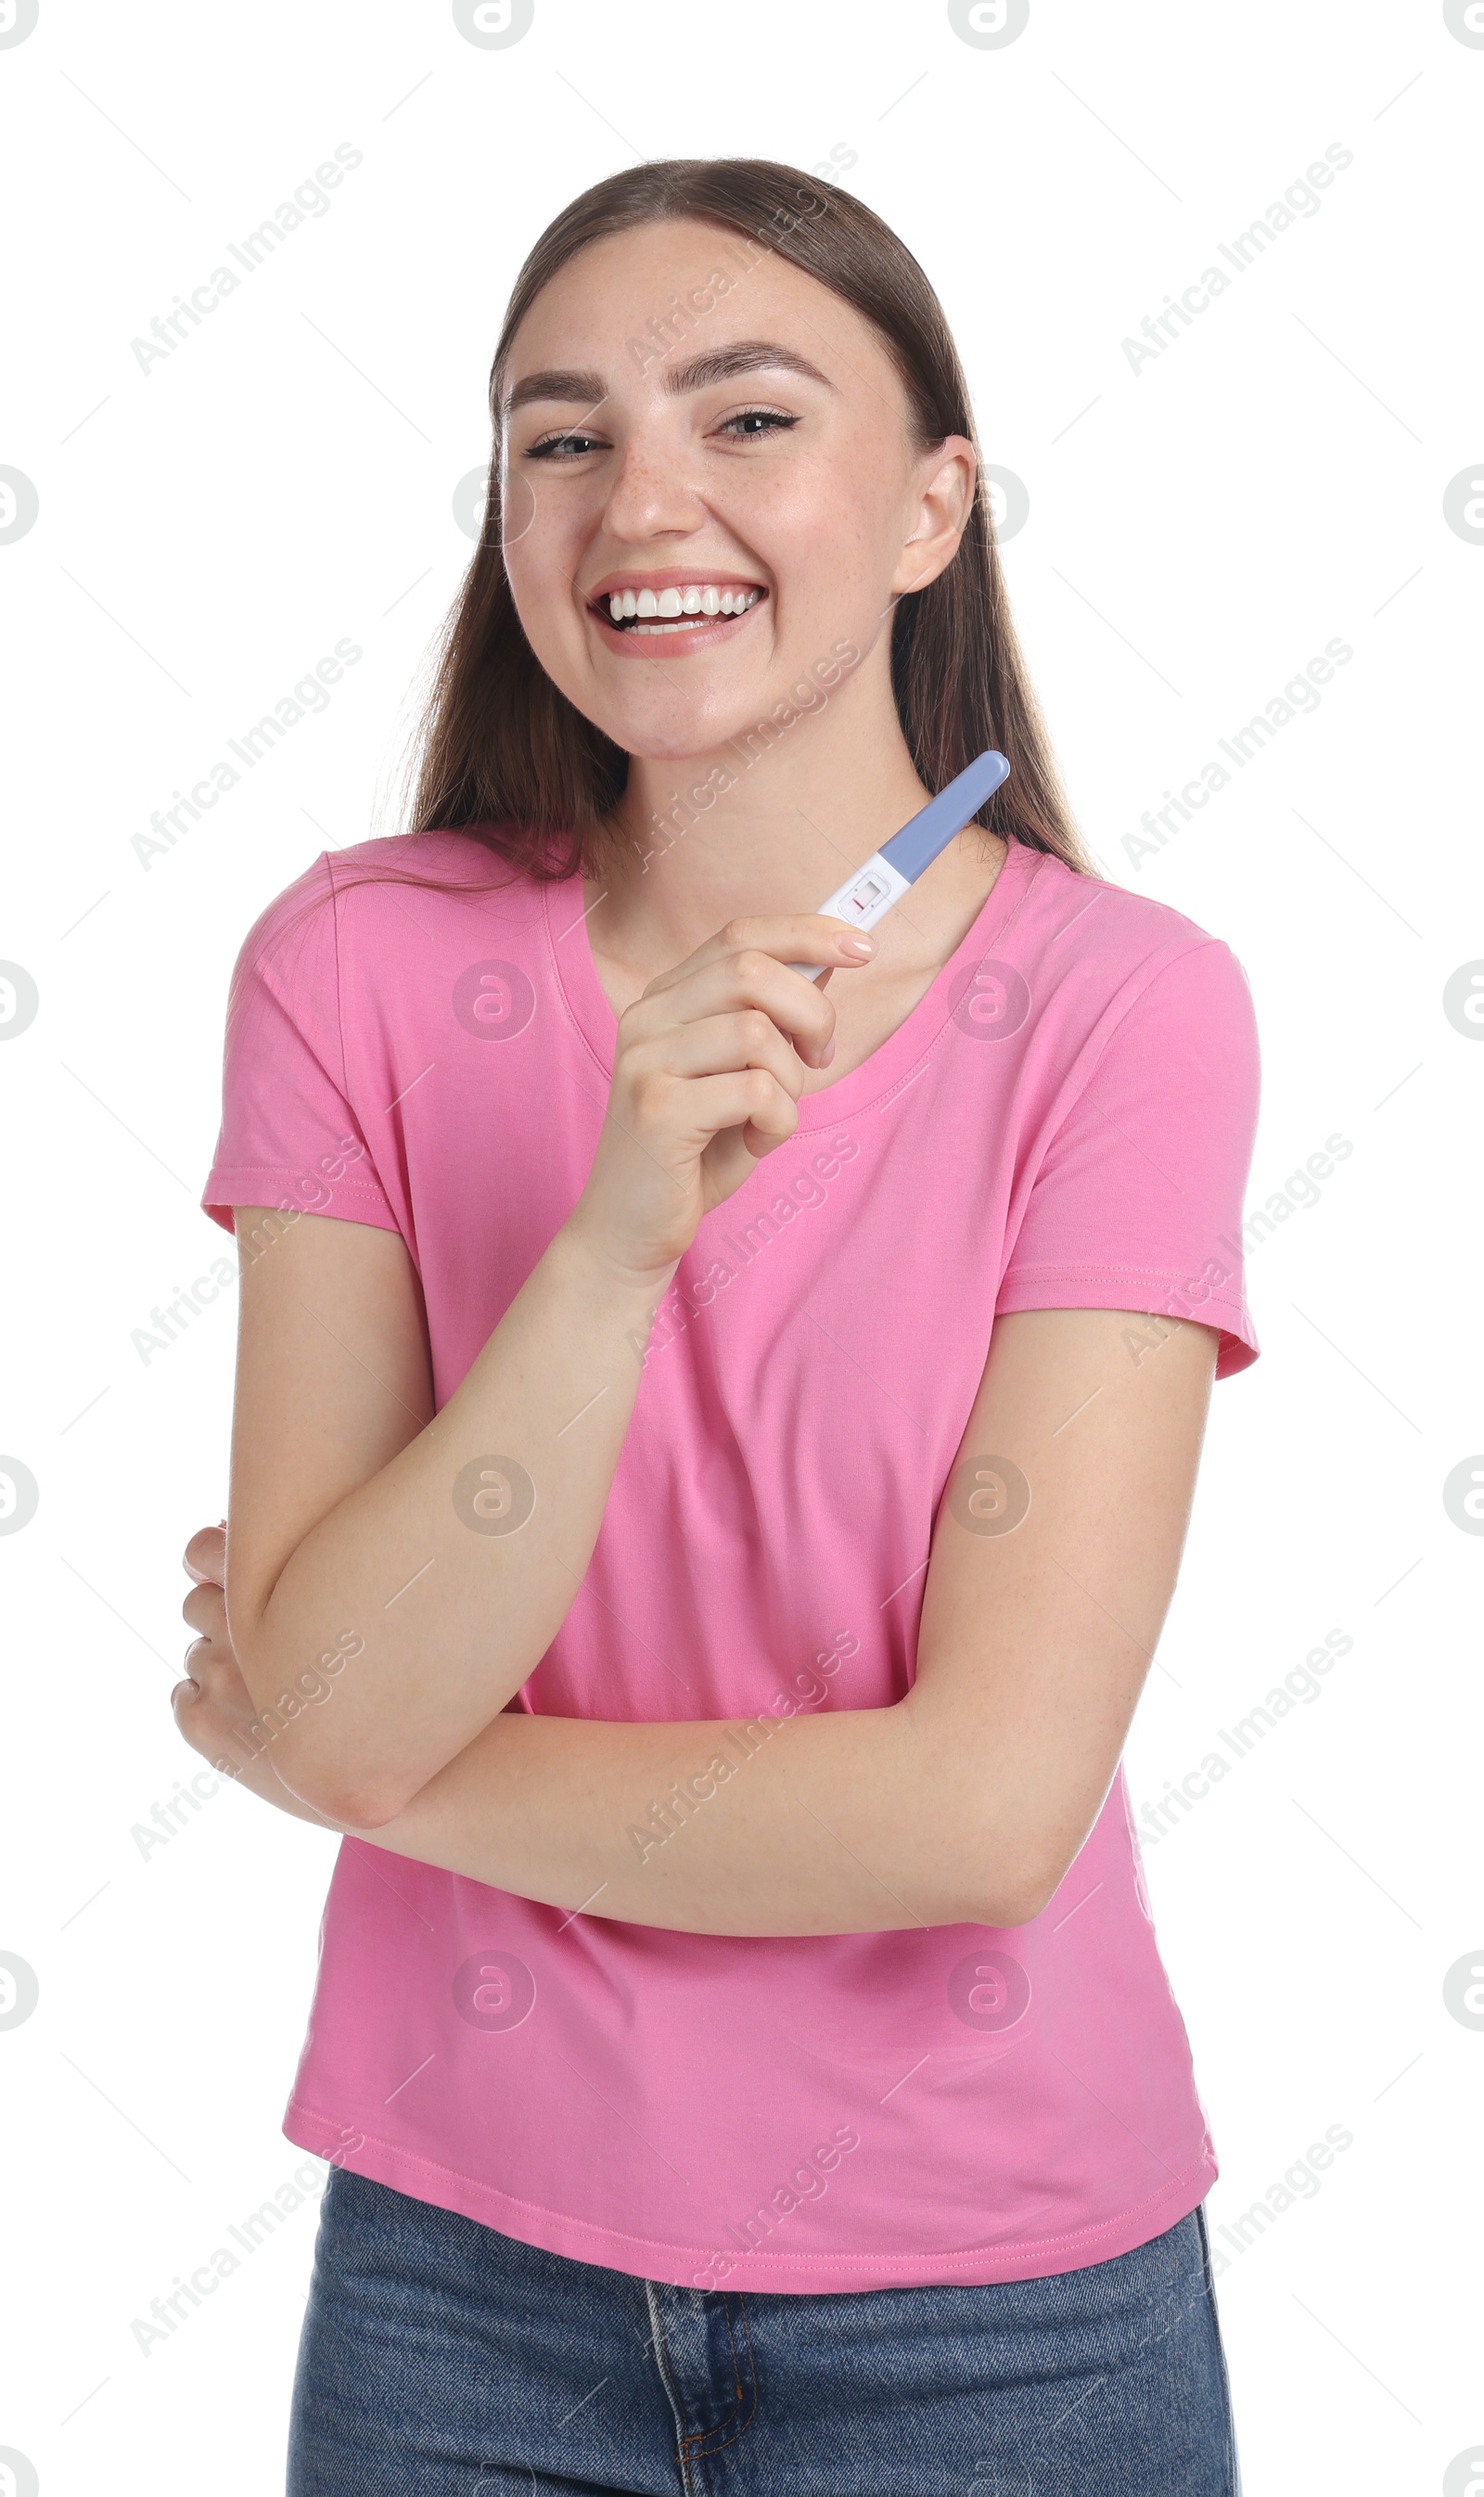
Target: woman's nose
(653, 491)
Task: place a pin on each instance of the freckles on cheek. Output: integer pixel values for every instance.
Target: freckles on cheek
(545, 523)
(544, 565)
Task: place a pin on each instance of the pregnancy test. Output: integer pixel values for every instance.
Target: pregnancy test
(878, 886)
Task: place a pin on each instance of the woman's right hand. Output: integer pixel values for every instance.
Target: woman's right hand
(213, 1705)
(707, 1078)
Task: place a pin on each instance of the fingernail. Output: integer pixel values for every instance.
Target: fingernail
(827, 1053)
(859, 948)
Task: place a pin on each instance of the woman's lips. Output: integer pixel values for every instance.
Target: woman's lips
(702, 635)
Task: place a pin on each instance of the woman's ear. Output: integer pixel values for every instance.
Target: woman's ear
(946, 498)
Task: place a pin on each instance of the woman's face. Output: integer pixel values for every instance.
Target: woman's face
(754, 441)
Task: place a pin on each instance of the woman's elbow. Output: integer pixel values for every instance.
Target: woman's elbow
(1003, 1900)
(1020, 1902)
(1011, 1883)
(347, 1802)
(288, 1732)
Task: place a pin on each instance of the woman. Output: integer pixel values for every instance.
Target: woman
(713, 1452)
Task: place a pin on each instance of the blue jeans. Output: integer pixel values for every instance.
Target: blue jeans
(441, 2359)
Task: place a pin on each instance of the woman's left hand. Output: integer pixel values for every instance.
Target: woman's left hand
(213, 1706)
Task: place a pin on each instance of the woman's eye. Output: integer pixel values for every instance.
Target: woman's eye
(749, 424)
(759, 420)
(563, 446)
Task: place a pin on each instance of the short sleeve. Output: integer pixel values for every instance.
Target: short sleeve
(1137, 1203)
(289, 1135)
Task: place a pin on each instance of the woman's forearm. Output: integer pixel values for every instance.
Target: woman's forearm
(467, 1546)
(838, 1821)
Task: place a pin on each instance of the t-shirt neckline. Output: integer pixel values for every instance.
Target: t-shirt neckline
(587, 1002)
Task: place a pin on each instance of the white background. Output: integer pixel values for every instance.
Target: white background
(1198, 530)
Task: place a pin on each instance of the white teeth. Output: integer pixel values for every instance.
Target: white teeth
(698, 599)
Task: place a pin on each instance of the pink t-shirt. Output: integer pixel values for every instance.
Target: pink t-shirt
(1064, 1120)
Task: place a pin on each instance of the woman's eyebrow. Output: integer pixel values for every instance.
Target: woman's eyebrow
(589, 390)
(747, 356)
(578, 390)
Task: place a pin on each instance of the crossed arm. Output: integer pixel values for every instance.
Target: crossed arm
(966, 1801)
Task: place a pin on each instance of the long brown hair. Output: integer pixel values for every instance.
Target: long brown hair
(507, 759)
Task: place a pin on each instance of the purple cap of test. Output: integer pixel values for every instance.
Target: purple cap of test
(918, 843)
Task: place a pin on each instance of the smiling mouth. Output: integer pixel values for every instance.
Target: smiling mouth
(686, 610)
